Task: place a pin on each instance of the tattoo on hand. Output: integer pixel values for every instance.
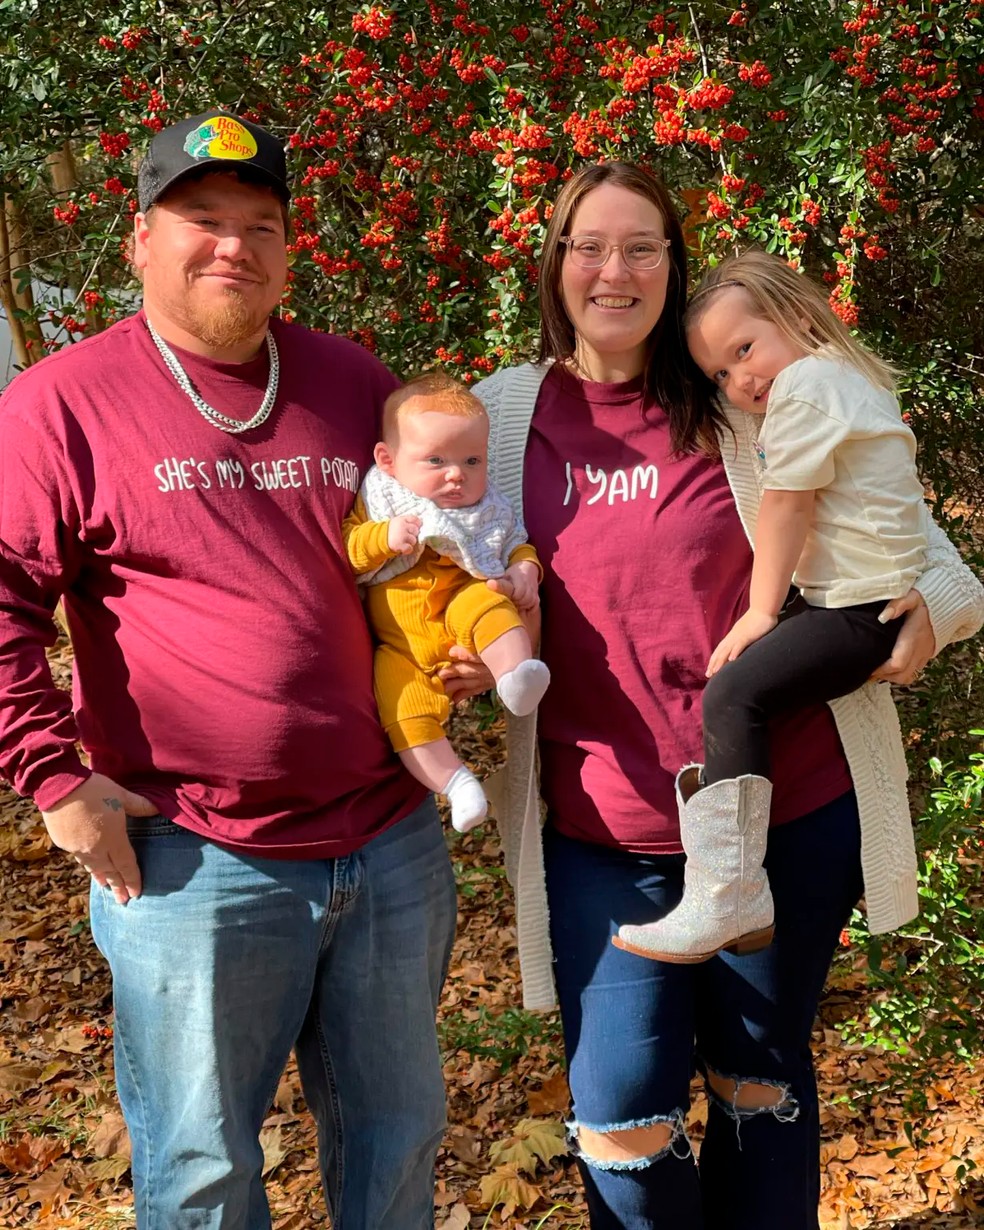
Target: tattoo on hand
(113, 804)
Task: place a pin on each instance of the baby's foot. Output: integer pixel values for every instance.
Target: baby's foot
(467, 798)
(522, 688)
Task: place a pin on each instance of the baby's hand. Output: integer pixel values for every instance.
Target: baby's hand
(403, 533)
(752, 626)
(520, 582)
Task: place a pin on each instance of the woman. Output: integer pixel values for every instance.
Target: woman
(639, 498)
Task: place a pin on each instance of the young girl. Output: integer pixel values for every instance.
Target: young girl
(841, 518)
(425, 533)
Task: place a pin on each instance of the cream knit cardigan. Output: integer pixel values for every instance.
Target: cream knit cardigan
(866, 720)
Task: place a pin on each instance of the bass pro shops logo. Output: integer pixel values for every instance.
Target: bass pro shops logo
(220, 137)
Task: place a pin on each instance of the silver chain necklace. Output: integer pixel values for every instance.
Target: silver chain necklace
(209, 413)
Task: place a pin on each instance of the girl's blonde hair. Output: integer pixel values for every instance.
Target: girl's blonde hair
(779, 294)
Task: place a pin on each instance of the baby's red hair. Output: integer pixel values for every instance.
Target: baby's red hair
(429, 393)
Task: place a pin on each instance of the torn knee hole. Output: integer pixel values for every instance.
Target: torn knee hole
(625, 1144)
(633, 1146)
(749, 1095)
(744, 1098)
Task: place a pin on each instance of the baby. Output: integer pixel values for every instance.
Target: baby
(425, 534)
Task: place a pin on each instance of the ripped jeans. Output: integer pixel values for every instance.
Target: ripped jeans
(636, 1030)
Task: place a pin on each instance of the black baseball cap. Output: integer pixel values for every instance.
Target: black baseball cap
(215, 139)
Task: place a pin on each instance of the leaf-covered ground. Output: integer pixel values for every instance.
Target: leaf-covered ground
(64, 1150)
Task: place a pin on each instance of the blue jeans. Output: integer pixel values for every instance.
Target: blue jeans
(226, 962)
(635, 1030)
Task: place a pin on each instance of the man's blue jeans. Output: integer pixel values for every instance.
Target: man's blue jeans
(226, 962)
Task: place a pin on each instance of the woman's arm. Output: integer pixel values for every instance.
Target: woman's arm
(953, 595)
(915, 644)
(946, 604)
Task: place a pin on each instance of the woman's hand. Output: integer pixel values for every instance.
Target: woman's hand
(467, 676)
(916, 642)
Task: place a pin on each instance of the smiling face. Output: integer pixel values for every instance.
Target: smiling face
(614, 309)
(213, 256)
(741, 352)
(442, 457)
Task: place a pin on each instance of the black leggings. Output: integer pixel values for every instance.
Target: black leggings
(814, 654)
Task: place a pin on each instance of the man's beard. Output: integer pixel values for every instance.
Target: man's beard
(226, 323)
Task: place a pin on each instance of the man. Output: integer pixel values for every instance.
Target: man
(265, 875)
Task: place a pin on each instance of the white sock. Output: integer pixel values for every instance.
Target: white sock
(467, 798)
(520, 690)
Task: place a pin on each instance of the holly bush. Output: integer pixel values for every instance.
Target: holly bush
(427, 139)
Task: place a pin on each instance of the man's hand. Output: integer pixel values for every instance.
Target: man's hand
(521, 583)
(90, 824)
(752, 626)
(916, 642)
(402, 533)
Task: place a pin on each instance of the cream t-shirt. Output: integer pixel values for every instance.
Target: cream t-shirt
(828, 429)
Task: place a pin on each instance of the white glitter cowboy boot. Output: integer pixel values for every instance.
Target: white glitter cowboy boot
(726, 900)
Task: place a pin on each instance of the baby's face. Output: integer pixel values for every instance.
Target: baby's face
(740, 352)
(442, 457)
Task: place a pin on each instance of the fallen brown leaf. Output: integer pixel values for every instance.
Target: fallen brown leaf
(872, 1164)
(19, 1077)
(110, 1137)
(458, 1218)
(551, 1098)
(506, 1186)
(16, 1156)
(108, 1168)
(31, 1009)
(52, 1191)
(274, 1149)
(931, 1161)
(465, 1145)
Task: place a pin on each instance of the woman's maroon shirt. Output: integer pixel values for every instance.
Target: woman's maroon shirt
(646, 568)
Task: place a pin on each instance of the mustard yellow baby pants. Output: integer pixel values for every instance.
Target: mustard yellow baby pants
(417, 617)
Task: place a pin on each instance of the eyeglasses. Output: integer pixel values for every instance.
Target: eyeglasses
(590, 252)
